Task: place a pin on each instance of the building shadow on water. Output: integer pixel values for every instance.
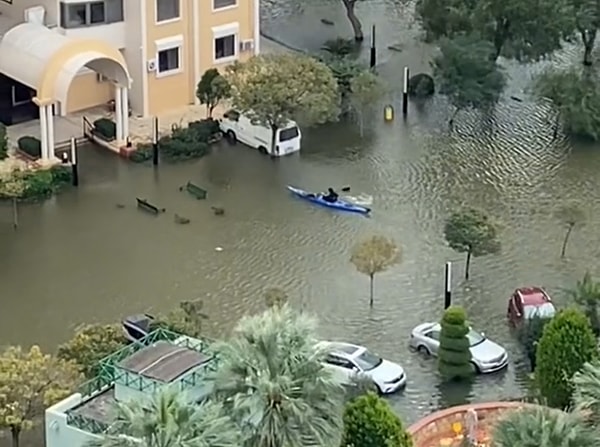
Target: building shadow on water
(341, 140)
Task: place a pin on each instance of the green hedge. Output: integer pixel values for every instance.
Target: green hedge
(105, 129)
(35, 185)
(3, 142)
(183, 144)
(30, 145)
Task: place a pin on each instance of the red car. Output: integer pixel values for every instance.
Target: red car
(528, 302)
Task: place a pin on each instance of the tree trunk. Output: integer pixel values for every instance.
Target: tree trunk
(356, 25)
(563, 252)
(273, 140)
(371, 277)
(500, 36)
(589, 39)
(468, 264)
(15, 433)
(361, 124)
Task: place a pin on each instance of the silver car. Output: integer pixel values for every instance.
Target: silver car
(486, 356)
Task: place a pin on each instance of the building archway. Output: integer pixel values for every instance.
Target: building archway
(47, 62)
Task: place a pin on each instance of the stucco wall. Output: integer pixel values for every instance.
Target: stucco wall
(86, 92)
(134, 54)
(58, 433)
(16, 10)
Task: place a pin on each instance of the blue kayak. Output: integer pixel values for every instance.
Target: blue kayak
(339, 204)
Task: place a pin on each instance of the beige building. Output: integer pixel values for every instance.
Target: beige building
(62, 56)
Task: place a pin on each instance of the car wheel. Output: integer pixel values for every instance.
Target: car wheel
(423, 350)
(476, 368)
(377, 390)
(262, 150)
(231, 137)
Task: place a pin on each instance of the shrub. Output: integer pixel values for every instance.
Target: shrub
(142, 153)
(30, 145)
(567, 343)
(105, 128)
(370, 422)
(454, 355)
(3, 142)
(178, 149)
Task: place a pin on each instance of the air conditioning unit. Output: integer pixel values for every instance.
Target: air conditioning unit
(151, 65)
(35, 14)
(247, 45)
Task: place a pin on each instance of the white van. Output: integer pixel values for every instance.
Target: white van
(237, 127)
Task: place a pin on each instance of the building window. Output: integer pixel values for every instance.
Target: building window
(102, 12)
(225, 47)
(167, 10)
(220, 4)
(168, 60)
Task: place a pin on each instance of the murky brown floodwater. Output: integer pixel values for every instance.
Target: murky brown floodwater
(78, 258)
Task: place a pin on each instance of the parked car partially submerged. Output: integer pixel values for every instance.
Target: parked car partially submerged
(347, 361)
(529, 302)
(486, 356)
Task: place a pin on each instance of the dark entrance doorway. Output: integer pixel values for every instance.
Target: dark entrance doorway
(16, 105)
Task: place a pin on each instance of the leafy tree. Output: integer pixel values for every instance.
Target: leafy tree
(341, 47)
(529, 334)
(354, 21)
(272, 380)
(541, 426)
(187, 319)
(30, 381)
(576, 98)
(91, 344)
(523, 31)
(587, 21)
(168, 419)
(570, 215)
(375, 255)
(586, 396)
(566, 344)
(587, 294)
(275, 297)
(369, 421)
(454, 353)
(344, 70)
(274, 89)
(466, 74)
(365, 91)
(470, 231)
(3, 142)
(211, 89)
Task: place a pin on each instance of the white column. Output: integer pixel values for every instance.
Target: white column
(256, 27)
(44, 132)
(50, 130)
(125, 107)
(119, 112)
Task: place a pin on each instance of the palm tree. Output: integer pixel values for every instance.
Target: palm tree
(169, 420)
(587, 294)
(586, 398)
(543, 427)
(272, 379)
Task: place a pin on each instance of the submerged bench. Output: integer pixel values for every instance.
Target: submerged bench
(196, 191)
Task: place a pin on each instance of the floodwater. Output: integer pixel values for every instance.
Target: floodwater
(80, 257)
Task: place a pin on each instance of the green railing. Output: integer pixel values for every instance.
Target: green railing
(95, 385)
(86, 424)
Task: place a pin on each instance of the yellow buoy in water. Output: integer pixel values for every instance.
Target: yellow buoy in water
(388, 113)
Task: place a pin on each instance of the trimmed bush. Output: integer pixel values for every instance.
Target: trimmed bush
(567, 343)
(454, 354)
(370, 422)
(30, 145)
(3, 142)
(105, 129)
(142, 153)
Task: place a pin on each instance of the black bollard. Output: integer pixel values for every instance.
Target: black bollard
(155, 141)
(74, 169)
(405, 93)
(448, 288)
(373, 50)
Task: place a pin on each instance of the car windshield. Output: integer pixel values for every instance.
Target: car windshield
(546, 310)
(475, 338)
(367, 361)
(288, 134)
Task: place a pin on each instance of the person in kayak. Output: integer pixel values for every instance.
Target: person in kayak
(331, 196)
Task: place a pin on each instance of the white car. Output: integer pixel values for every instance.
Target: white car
(347, 361)
(486, 356)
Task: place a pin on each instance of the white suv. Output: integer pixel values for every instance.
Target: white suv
(347, 361)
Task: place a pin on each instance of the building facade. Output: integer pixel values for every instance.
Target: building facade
(63, 56)
(136, 372)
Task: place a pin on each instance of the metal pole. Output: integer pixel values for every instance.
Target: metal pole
(373, 49)
(448, 288)
(155, 141)
(15, 213)
(74, 169)
(405, 92)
